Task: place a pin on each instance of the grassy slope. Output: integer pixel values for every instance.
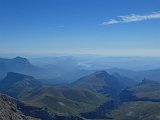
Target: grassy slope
(22, 88)
(64, 100)
(90, 82)
(149, 89)
(137, 111)
(101, 82)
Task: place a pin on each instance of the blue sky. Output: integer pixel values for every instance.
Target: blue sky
(103, 27)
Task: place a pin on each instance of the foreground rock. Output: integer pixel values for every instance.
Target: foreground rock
(9, 111)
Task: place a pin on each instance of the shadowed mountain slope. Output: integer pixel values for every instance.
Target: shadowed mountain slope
(100, 82)
(141, 102)
(17, 85)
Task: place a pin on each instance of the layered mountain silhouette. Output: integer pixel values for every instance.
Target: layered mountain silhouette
(100, 95)
(19, 65)
(50, 74)
(58, 100)
(153, 74)
(83, 96)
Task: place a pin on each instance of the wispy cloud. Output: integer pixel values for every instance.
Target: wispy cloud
(132, 18)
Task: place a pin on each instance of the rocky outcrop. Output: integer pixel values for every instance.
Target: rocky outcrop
(12, 109)
(9, 111)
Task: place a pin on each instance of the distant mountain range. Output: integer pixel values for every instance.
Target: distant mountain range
(114, 94)
(59, 73)
(49, 74)
(19, 65)
(153, 74)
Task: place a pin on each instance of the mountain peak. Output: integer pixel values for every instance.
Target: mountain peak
(21, 60)
(101, 73)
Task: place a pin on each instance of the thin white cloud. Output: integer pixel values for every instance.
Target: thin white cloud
(132, 18)
(112, 21)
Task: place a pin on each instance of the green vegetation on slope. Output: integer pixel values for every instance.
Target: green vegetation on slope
(137, 111)
(142, 103)
(64, 100)
(147, 89)
(100, 82)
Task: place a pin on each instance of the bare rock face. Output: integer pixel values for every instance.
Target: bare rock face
(9, 111)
